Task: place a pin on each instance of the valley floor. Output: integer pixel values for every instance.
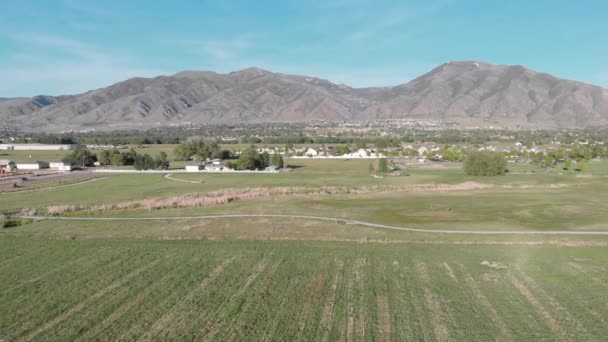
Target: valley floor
(154, 269)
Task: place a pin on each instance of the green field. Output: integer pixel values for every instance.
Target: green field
(270, 278)
(168, 290)
(51, 156)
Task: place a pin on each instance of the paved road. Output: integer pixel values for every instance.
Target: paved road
(323, 218)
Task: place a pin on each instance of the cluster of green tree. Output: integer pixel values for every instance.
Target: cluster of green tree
(250, 159)
(147, 162)
(116, 158)
(382, 167)
(201, 150)
(577, 153)
(341, 150)
(380, 142)
(450, 153)
(54, 139)
(103, 138)
(292, 133)
(13, 222)
(485, 163)
(81, 157)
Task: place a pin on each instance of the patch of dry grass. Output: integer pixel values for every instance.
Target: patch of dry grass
(195, 200)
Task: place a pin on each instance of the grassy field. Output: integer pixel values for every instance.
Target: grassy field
(168, 290)
(51, 156)
(300, 279)
(521, 201)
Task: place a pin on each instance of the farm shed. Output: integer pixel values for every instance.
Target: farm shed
(37, 165)
(193, 167)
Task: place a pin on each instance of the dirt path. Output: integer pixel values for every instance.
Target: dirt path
(361, 318)
(170, 316)
(327, 319)
(321, 218)
(169, 176)
(384, 318)
(53, 187)
(80, 306)
(503, 332)
(548, 318)
(208, 334)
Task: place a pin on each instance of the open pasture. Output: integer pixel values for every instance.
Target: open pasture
(167, 290)
(432, 197)
(304, 279)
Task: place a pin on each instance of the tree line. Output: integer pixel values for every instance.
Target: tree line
(250, 159)
(200, 150)
(292, 134)
(114, 157)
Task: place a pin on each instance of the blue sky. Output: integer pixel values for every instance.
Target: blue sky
(71, 46)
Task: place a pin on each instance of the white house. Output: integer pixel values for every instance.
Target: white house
(61, 166)
(311, 152)
(193, 167)
(269, 150)
(213, 165)
(37, 165)
(361, 153)
(7, 165)
(422, 150)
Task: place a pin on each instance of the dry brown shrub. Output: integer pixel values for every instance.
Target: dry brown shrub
(27, 212)
(229, 195)
(60, 209)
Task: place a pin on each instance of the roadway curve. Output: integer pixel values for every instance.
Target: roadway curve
(53, 187)
(321, 218)
(170, 176)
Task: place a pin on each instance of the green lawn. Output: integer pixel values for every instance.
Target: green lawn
(167, 290)
(539, 201)
(300, 279)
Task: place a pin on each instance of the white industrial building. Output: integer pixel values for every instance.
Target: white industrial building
(193, 167)
(41, 147)
(61, 166)
(34, 165)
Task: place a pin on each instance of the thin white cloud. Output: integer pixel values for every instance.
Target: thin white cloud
(221, 49)
(34, 42)
(89, 9)
(54, 64)
(391, 20)
(67, 78)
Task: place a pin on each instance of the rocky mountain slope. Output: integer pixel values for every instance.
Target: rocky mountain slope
(471, 93)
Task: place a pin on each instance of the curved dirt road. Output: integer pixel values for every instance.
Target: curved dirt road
(322, 218)
(170, 176)
(53, 187)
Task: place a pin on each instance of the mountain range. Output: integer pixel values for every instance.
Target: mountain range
(472, 93)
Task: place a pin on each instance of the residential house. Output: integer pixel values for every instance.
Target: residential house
(213, 165)
(61, 166)
(7, 165)
(193, 167)
(312, 152)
